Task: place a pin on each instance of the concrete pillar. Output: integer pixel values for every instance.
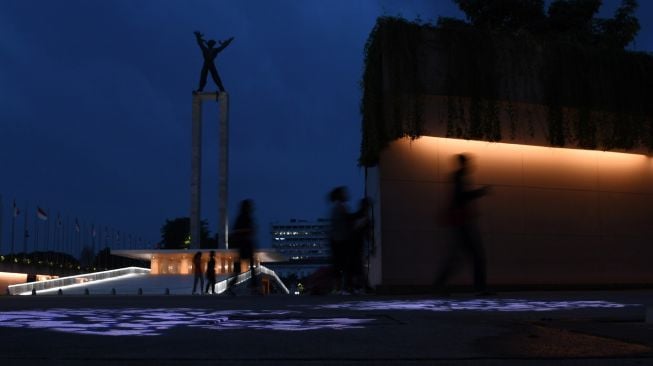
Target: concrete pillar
(196, 172)
(185, 263)
(223, 169)
(196, 168)
(154, 265)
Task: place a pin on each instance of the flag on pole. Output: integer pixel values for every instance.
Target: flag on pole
(76, 225)
(16, 210)
(41, 214)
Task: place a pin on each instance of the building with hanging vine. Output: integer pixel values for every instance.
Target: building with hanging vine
(561, 131)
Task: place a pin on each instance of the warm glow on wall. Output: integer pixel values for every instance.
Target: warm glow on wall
(13, 277)
(10, 278)
(432, 159)
(585, 213)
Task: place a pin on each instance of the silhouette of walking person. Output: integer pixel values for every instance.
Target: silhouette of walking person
(210, 53)
(197, 270)
(243, 236)
(340, 239)
(210, 273)
(360, 228)
(461, 217)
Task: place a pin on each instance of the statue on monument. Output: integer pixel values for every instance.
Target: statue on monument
(210, 53)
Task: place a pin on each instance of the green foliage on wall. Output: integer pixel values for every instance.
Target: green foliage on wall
(391, 107)
(595, 97)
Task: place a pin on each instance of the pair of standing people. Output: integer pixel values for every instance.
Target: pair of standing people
(242, 238)
(210, 272)
(348, 236)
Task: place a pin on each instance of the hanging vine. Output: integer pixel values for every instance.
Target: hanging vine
(595, 98)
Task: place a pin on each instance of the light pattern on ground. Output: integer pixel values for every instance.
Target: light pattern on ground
(472, 305)
(152, 322)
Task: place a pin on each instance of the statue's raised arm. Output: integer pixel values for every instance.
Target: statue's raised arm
(199, 37)
(224, 44)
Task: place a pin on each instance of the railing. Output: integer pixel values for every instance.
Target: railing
(223, 285)
(273, 274)
(27, 288)
(85, 279)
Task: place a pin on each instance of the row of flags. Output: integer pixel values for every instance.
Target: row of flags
(43, 215)
(94, 234)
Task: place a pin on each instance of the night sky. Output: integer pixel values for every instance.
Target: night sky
(95, 106)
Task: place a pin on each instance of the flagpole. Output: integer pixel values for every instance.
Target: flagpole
(57, 237)
(55, 234)
(13, 229)
(47, 232)
(93, 237)
(36, 232)
(25, 233)
(66, 236)
(15, 212)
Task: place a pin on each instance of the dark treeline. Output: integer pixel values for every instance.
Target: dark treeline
(564, 20)
(58, 263)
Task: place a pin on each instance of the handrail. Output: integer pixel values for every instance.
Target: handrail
(222, 286)
(273, 274)
(27, 288)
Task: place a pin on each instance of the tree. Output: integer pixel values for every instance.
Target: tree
(567, 20)
(505, 15)
(176, 234)
(87, 256)
(619, 31)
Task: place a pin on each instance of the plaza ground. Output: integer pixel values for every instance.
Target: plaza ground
(511, 328)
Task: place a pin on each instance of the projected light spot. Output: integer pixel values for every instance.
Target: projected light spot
(473, 305)
(152, 322)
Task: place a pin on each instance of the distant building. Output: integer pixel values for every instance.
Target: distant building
(305, 244)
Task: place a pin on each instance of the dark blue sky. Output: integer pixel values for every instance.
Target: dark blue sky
(95, 105)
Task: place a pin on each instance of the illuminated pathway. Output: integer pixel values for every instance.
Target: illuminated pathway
(282, 330)
(134, 321)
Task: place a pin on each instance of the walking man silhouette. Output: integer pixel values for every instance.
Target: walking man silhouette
(209, 53)
(461, 217)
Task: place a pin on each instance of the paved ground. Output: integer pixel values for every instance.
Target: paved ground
(562, 328)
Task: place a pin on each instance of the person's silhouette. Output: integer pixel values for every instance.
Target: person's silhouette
(210, 273)
(209, 53)
(243, 238)
(461, 217)
(197, 270)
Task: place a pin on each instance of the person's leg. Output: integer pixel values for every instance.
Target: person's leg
(449, 260)
(474, 246)
(216, 78)
(203, 76)
(195, 284)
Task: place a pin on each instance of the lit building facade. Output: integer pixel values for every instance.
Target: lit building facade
(555, 217)
(305, 244)
(180, 261)
(301, 239)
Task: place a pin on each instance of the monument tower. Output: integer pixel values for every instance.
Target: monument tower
(209, 52)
